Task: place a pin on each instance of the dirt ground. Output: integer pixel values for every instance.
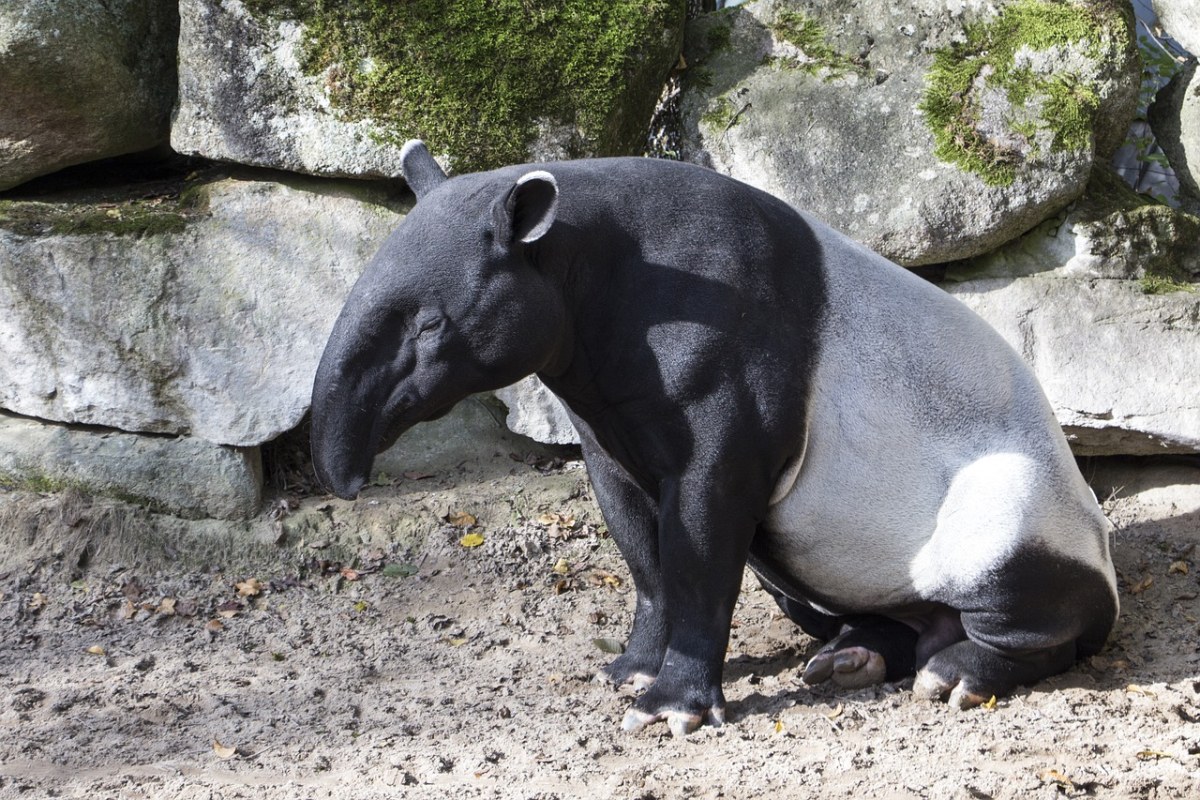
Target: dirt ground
(438, 637)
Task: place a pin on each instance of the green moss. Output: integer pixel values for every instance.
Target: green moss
(1065, 105)
(809, 36)
(41, 483)
(117, 215)
(720, 115)
(1157, 284)
(474, 77)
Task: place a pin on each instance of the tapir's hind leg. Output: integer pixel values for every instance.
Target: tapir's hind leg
(1035, 615)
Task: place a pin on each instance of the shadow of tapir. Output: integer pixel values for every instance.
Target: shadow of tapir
(750, 387)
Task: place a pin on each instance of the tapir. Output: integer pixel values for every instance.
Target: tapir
(750, 387)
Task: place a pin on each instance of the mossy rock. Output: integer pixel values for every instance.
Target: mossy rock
(484, 82)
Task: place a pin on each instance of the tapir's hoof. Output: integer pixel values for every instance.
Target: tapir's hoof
(849, 668)
(930, 686)
(679, 723)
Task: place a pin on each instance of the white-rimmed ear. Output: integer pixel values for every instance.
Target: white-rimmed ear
(527, 211)
(419, 169)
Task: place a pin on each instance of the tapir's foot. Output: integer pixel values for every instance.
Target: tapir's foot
(865, 654)
(967, 674)
(683, 711)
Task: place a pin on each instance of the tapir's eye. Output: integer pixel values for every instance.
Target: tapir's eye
(429, 326)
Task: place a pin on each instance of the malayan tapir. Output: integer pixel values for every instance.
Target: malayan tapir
(750, 386)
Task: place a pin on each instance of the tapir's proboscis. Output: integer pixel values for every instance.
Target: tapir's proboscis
(750, 387)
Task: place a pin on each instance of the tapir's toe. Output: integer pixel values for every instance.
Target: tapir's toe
(679, 723)
(849, 668)
(966, 674)
(635, 683)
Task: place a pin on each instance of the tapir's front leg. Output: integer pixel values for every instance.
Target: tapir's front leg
(705, 529)
(632, 518)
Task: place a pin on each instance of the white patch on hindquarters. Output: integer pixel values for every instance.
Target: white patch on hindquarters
(981, 522)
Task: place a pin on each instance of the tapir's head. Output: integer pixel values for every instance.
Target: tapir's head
(455, 302)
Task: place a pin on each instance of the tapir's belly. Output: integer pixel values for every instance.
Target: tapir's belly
(932, 455)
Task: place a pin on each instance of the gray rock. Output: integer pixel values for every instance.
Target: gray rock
(1175, 119)
(204, 318)
(1181, 19)
(472, 432)
(243, 97)
(182, 476)
(1103, 304)
(833, 106)
(534, 411)
(82, 81)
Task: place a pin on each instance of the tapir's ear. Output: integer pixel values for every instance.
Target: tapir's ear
(419, 169)
(527, 211)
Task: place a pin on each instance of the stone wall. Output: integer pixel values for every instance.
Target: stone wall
(161, 315)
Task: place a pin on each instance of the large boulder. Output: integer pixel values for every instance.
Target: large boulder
(1181, 20)
(183, 476)
(1175, 118)
(928, 134)
(335, 89)
(1103, 304)
(82, 81)
(202, 314)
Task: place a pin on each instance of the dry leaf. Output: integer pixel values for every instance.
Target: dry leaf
(167, 607)
(224, 753)
(349, 574)
(460, 519)
(610, 646)
(96, 650)
(1133, 688)
(1155, 755)
(562, 567)
(779, 726)
(834, 712)
(1178, 567)
(458, 641)
(251, 587)
(1054, 776)
(547, 519)
(417, 476)
(564, 585)
(214, 625)
(128, 609)
(37, 602)
(990, 705)
(1142, 585)
(229, 609)
(471, 540)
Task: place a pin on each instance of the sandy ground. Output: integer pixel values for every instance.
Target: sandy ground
(363, 650)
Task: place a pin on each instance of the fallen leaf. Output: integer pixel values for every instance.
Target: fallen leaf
(562, 567)
(224, 753)
(361, 606)
(128, 609)
(610, 646)
(37, 602)
(461, 519)
(1133, 688)
(834, 712)
(96, 650)
(417, 476)
(779, 726)
(1142, 585)
(1155, 755)
(349, 573)
(167, 607)
(251, 587)
(1178, 567)
(214, 625)
(229, 609)
(990, 705)
(399, 570)
(458, 641)
(471, 540)
(382, 479)
(600, 577)
(547, 519)
(1054, 776)
(564, 585)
